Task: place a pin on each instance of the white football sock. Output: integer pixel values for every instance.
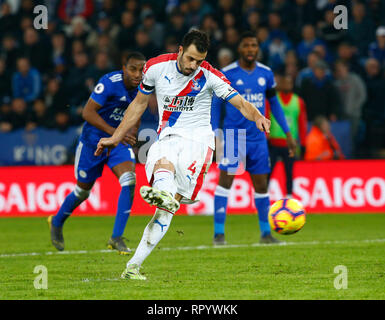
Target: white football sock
(164, 181)
(152, 234)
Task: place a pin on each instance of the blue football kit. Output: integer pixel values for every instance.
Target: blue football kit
(243, 141)
(113, 97)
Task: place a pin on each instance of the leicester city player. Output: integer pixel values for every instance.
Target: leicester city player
(242, 140)
(103, 113)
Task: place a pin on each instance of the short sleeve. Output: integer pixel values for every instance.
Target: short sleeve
(101, 91)
(220, 84)
(270, 80)
(147, 85)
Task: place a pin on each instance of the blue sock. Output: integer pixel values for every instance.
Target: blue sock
(123, 212)
(262, 203)
(220, 208)
(71, 202)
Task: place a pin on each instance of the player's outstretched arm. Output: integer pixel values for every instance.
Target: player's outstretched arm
(250, 112)
(131, 117)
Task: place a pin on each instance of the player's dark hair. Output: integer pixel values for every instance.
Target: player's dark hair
(199, 38)
(247, 34)
(133, 55)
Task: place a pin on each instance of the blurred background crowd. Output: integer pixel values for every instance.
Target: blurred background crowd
(46, 76)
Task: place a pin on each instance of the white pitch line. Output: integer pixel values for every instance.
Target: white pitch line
(228, 246)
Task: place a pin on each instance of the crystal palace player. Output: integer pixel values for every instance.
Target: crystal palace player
(255, 82)
(103, 113)
(177, 162)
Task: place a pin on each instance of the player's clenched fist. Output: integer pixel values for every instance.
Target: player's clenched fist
(263, 124)
(105, 143)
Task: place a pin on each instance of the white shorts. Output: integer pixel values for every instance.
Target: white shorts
(191, 160)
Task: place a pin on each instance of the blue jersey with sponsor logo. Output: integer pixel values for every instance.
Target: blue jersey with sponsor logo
(113, 97)
(252, 85)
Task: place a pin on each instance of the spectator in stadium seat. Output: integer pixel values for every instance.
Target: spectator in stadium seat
(303, 12)
(55, 96)
(41, 116)
(154, 29)
(281, 7)
(349, 54)
(252, 21)
(176, 26)
(5, 115)
(104, 25)
(9, 50)
(328, 33)
(309, 41)
(361, 28)
(377, 48)
(320, 94)
(101, 67)
(320, 142)
(19, 116)
(277, 49)
(226, 9)
(210, 26)
(75, 82)
(62, 120)
(171, 45)
(126, 35)
(352, 91)
(26, 81)
(36, 50)
(230, 40)
(60, 55)
(112, 9)
(374, 108)
(144, 45)
(78, 29)
(25, 9)
(230, 21)
(68, 9)
(307, 71)
(225, 57)
(8, 21)
(195, 10)
(105, 44)
(5, 80)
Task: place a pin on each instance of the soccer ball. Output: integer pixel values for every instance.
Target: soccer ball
(287, 216)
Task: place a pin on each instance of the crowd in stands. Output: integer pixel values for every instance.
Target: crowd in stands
(47, 75)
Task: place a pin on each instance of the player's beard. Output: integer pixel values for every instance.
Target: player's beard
(185, 72)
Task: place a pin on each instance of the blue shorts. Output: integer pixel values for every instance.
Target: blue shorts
(253, 154)
(88, 167)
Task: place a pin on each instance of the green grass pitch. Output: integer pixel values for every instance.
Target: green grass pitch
(186, 266)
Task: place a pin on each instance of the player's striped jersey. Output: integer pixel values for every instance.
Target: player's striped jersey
(252, 85)
(184, 102)
(113, 97)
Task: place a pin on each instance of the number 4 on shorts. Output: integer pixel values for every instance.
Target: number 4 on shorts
(192, 168)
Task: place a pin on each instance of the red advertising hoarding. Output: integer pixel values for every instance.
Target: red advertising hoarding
(350, 186)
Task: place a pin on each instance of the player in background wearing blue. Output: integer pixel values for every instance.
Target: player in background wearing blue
(255, 82)
(102, 114)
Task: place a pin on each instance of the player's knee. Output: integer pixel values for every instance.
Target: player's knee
(261, 188)
(225, 181)
(81, 194)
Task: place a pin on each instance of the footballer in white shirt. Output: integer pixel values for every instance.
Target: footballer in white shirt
(177, 162)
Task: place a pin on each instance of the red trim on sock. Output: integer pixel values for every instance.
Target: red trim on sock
(166, 210)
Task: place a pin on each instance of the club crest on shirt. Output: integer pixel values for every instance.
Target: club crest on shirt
(261, 81)
(195, 85)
